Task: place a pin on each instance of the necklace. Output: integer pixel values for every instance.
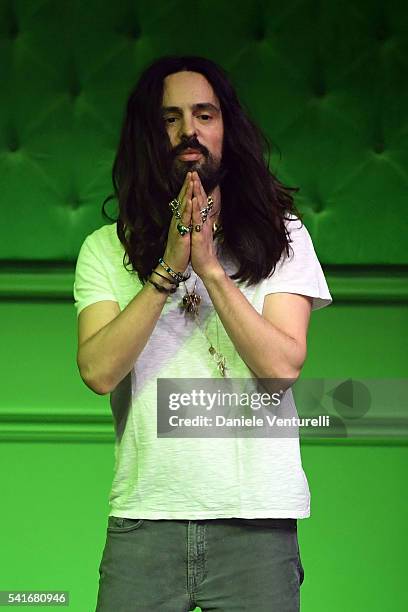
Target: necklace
(191, 301)
(191, 306)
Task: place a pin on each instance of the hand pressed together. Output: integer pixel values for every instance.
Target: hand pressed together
(203, 253)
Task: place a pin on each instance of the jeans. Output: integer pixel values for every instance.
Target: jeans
(224, 565)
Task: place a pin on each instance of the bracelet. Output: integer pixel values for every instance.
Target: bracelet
(161, 288)
(177, 275)
(165, 278)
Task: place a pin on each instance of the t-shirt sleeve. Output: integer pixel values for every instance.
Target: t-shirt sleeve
(91, 282)
(300, 272)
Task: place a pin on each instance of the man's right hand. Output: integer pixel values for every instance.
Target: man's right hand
(177, 253)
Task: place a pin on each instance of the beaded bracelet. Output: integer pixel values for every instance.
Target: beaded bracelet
(173, 282)
(177, 275)
(162, 289)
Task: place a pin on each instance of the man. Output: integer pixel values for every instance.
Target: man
(212, 293)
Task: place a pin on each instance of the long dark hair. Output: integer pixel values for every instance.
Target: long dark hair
(253, 201)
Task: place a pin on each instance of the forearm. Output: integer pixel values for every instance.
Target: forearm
(266, 350)
(108, 356)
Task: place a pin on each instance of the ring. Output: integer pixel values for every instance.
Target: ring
(204, 211)
(174, 205)
(182, 229)
(197, 228)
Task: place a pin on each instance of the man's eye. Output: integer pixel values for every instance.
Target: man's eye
(172, 119)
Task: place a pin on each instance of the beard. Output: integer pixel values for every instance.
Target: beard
(210, 171)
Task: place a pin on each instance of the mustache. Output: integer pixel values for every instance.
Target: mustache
(192, 145)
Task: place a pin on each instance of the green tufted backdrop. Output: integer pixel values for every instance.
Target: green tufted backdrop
(327, 82)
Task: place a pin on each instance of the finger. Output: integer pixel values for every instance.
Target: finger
(197, 192)
(196, 217)
(184, 197)
(203, 195)
(187, 208)
(184, 188)
(190, 191)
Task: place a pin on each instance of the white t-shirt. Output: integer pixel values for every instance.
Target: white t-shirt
(195, 478)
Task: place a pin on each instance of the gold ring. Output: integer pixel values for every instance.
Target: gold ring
(197, 228)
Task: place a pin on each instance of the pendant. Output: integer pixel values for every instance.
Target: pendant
(191, 302)
(219, 360)
(221, 365)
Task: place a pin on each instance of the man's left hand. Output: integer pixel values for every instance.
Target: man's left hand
(203, 255)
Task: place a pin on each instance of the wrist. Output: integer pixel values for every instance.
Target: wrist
(214, 274)
(177, 277)
(162, 287)
(162, 272)
(162, 281)
(169, 261)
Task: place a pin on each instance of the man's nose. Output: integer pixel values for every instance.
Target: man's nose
(187, 127)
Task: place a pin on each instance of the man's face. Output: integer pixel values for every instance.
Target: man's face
(195, 127)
